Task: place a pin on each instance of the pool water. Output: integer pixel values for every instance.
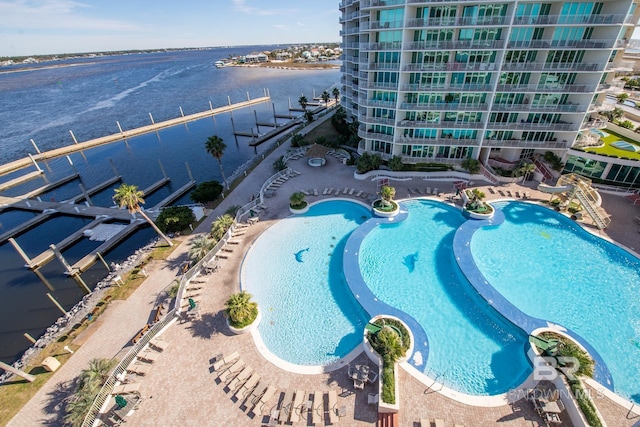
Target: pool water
(294, 272)
(410, 265)
(552, 269)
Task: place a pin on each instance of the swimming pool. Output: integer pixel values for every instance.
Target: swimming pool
(410, 266)
(294, 272)
(572, 278)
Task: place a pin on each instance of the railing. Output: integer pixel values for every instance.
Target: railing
(444, 106)
(381, 85)
(535, 126)
(377, 25)
(549, 44)
(569, 108)
(533, 66)
(569, 88)
(375, 135)
(456, 44)
(381, 46)
(377, 120)
(379, 3)
(440, 124)
(568, 19)
(457, 21)
(105, 391)
(383, 66)
(464, 142)
(446, 87)
(491, 177)
(518, 143)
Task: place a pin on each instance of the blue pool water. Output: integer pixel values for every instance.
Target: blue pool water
(552, 269)
(294, 272)
(410, 266)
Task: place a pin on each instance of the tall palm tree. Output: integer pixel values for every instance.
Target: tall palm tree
(336, 93)
(130, 197)
(325, 97)
(387, 193)
(303, 102)
(220, 226)
(216, 146)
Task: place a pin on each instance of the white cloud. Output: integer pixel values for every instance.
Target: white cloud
(279, 26)
(242, 6)
(44, 15)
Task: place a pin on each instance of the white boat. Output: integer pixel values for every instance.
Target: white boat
(219, 64)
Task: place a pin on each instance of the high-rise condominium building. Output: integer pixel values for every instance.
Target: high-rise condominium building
(446, 80)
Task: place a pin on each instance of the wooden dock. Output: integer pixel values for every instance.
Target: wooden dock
(88, 260)
(274, 132)
(175, 195)
(93, 190)
(25, 226)
(18, 164)
(50, 186)
(19, 180)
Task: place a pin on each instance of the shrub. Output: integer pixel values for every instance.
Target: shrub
(279, 164)
(368, 162)
(240, 310)
(297, 140)
(220, 226)
(207, 191)
(471, 165)
(586, 405)
(391, 342)
(297, 201)
(395, 163)
(175, 218)
(88, 386)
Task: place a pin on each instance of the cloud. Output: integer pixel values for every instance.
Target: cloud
(300, 24)
(279, 26)
(242, 6)
(45, 15)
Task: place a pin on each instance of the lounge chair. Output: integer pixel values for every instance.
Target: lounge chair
(315, 191)
(352, 191)
(148, 356)
(324, 192)
(269, 393)
(372, 377)
(438, 422)
(305, 192)
(232, 371)
(317, 414)
(127, 388)
(527, 194)
(138, 368)
(435, 191)
(245, 390)
(345, 190)
(240, 379)
(285, 407)
(297, 406)
(332, 404)
(428, 190)
(225, 361)
(359, 193)
(425, 422)
(255, 395)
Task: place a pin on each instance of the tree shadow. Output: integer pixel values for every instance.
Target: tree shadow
(208, 325)
(57, 402)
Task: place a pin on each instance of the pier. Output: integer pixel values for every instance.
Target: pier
(274, 132)
(18, 164)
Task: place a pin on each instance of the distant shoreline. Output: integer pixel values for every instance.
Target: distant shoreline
(46, 67)
(289, 66)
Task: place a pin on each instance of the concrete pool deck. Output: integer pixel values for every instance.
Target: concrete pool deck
(180, 389)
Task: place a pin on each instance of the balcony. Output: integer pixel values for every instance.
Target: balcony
(376, 103)
(447, 88)
(385, 66)
(457, 21)
(376, 120)
(567, 127)
(568, 108)
(552, 44)
(532, 66)
(547, 88)
(456, 44)
(461, 142)
(381, 46)
(518, 143)
(620, 66)
(450, 66)
(443, 106)
(367, 4)
(377, 25)
(425, 124)
(569, 20)
(375, 135)
(381, 85)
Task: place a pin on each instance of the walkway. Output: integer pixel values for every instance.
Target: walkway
(181, 390)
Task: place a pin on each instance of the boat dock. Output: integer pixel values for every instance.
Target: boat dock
(77, 146)
(274, 132)
(47, 187)
(93, 190)
(19, 180)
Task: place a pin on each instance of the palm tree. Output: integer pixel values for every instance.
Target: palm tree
(89, 384)
(325, 97)
(387, 193)
(622, 97)
(216, 146)
(303, 102)
(199, 247)
(240, 310)
(220, 226)
(526, 169)
(336, 93)
(130, 197)
(296, 201)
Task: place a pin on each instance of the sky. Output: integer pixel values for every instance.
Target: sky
(40, 27)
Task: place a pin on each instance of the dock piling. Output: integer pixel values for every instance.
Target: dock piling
(57, 304)
(22, 253)
(229, 99)
(73, 136)
(72, 165)
(35, 163)
(151, 117)
(113, 166)
(81, 283)
(69, 270)
(189, 171)
(119, 127)
(99, 255)
(164, 173)
(35, 146)
(44, 280)
(29, 338)
(86, 195)
(210, 106)
(181, 112)
(248, 97)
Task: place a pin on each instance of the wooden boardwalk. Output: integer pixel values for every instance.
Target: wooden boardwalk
(18, 164)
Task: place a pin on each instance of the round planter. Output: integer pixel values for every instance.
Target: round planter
(384, 214)
(299, 211)
(476, 215)
(246, 329)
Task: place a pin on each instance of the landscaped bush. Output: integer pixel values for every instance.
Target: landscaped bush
(555, 161)
(391, 342)
(240, 310)
(175, 218)
(427, 167)
(586, 405)
(205, 192)
(368, 162)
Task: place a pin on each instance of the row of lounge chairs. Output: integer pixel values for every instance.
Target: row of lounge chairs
(427, 191)
(281, 180)
(508, 193)
(346, 191)
(256, 396)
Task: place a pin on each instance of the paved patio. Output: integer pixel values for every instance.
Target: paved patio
(180, 388)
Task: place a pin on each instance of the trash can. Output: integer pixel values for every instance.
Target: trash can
(50, 364)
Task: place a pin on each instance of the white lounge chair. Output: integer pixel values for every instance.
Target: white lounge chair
(269, 393)
(158, 343)
(139, 368)
(232, 371)
(297, 406)
(255, 395)
(127, 388)
(332, 406)
(240, 379)
(317, 414)
(225, 360)
(245, 390)
(148, 356)
(286, 407)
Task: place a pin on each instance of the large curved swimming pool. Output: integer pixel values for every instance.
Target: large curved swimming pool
(294, 270)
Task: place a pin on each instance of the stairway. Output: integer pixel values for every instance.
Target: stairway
(596, 213)
(388, 419)
(546, 174)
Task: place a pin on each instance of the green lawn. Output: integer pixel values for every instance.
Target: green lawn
(609, 150)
